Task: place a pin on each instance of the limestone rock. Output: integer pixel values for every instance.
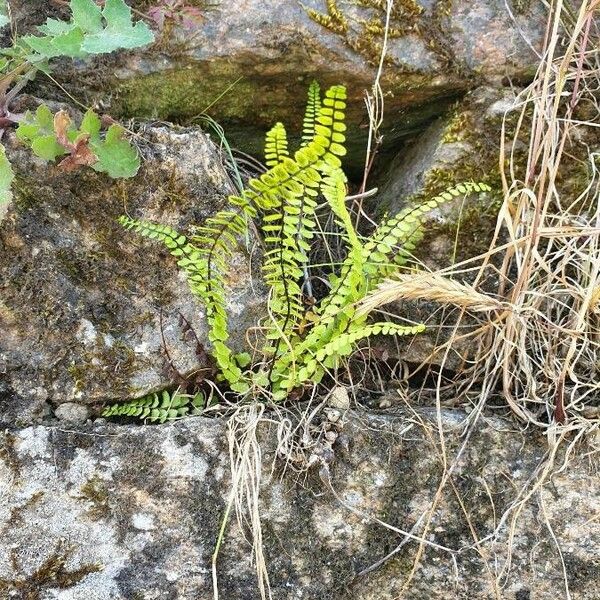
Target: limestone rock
(86, 308)
(127, 512)
(460, 146)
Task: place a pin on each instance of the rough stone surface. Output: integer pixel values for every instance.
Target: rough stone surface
(126, 512)
(87, 309)
(251, 61)
(460, 146)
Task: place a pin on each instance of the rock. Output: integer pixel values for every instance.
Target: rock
(250, 67)
(461, 146)
(73, 413)
(126, 512)
(339, 398)
(86, 308)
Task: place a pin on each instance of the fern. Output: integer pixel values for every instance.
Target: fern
(205, 284)
(159, 407)
(288, 232)
(313, 106)
(343, 345)
(406, 230)
(276, 145)
(301, 343)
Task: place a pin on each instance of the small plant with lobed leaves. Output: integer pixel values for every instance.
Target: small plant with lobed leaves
(300, 343)
(91, 30)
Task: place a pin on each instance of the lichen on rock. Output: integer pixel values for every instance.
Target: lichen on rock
(141, 508)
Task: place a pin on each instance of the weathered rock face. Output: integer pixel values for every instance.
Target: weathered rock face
(84, 305)
(250, 62)
(133, 512)
(461, 146)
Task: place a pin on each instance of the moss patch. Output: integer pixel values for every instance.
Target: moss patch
(248, 99)
(96, 492)
(51, 574)
(364, 33)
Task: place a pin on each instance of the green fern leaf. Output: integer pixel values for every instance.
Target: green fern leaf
(313, 106)
(292, 187)
(159, 408)
(276, 146)
(342, 346)
(400, 234)
(207, 285)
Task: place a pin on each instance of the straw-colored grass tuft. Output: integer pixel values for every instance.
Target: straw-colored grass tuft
(429, 286)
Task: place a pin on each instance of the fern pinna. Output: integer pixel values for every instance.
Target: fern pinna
(283, 202)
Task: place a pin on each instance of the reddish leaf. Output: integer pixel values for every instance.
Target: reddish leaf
(80, 156)
(80, 153)
(62, 121)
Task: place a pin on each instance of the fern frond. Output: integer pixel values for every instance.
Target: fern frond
(342, 346)
(363, 268)
(313, 106)
(289, 226)
(159, 407)
(402, 233)
(204, 278)
(276, 145)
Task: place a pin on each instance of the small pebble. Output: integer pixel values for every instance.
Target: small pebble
(333, 415)
(331, 436)
(339, 398)
(71, 412)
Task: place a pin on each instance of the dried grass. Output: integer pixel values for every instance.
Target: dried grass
(429, 286)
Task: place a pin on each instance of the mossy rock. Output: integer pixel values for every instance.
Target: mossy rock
(90, 312)
(250, 68)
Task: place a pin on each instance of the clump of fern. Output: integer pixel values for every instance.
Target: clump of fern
(301, 342)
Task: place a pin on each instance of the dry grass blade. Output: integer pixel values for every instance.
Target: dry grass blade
(545, 354)
(429, 286)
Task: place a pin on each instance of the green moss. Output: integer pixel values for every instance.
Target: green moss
(182, 93)
(365, 34)
(96, 492)
(24, 193)
(334, 19)
(458, 129)
(51, 574)
(521, 7)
